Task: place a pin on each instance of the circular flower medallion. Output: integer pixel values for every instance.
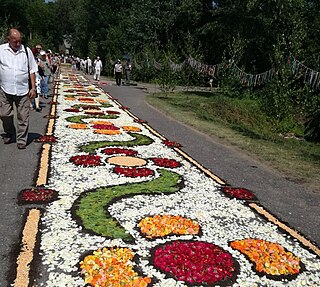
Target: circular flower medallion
(127, 161)
(196, 262)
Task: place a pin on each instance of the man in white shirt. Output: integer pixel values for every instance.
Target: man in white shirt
(97, 69)
(16, 68)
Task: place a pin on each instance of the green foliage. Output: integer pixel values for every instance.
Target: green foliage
(166, 76)
(138, 140)
(91, 208)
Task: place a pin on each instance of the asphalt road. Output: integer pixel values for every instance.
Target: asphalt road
(285, 199)
(18, 169)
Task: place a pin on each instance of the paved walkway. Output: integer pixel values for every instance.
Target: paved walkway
(286, 200)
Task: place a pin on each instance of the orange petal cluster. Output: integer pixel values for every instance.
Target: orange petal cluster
(102, 101)
(162, 225)
(78, 126)
(100, 123)
(269, 258)
(69, 99)
(107, 132)
(112, 267)
(131, 129)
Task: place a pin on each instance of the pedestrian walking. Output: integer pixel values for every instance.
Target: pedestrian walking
(128, 68)
(97, 69)
(118, 72)
(44, 64)
(17, 87)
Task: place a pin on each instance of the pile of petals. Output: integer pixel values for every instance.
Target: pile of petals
(140, 121)
(269, 258)
(37, 195)
(78, 126)
(46, 139)
(162, 225)
(116, 150)
(104, 127)
(171, 144)
(112, 267)
(133, 171)
(94, 113)
(86, 100)
(239, 193)
(166, 162)
(86, 160)
(113, 113)
(195, 262)
(90, 108)
(72, 110)
(131, 129)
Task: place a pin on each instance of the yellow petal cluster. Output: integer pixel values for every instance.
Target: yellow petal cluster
(112, 267)
(162, 225)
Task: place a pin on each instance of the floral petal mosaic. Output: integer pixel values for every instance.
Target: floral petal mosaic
(163, 224)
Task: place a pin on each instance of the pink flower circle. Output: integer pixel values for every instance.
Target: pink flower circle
(195, 262)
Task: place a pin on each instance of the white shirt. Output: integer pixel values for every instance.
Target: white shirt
(14, 70)
(98, 65)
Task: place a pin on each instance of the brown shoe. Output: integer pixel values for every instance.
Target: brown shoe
(21, 146)
(7, 140)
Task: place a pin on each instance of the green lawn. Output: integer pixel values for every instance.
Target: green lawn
(241, 123)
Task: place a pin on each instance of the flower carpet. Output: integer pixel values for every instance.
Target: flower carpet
(125, 208)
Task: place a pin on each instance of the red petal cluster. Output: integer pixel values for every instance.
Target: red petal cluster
(38, 195)
(140, 121)
(239, 193)
(86, 99)
(166, 162)
(72, 110)
(47, 139)
(172, 144)
(113, 113)
(95, 113)
(117, 150)
(133, 171)
(90, 108)
(195, 262)
(86, 160)
(105, 127)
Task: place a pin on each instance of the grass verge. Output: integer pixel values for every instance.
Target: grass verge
(240, 123)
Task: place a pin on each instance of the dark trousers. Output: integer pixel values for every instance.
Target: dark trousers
(118, 78)
(22, 104)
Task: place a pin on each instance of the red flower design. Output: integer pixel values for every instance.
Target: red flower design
(166, 162)
(133, 171)
(72, 110)
(195, 262)
(105, 127)
(37, 195)
(140, 121)
(90, 108)
(86, 160)
(171, 144)
(125, 151)
(239, 193)
(113, 113)
(46, 139)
